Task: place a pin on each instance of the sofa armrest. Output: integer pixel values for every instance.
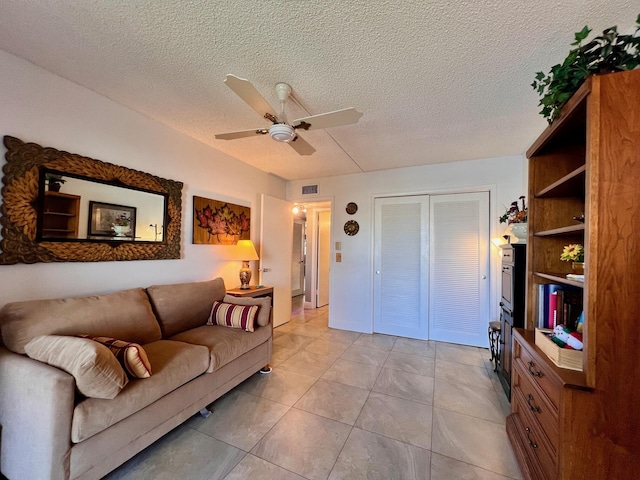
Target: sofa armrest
(36, 409)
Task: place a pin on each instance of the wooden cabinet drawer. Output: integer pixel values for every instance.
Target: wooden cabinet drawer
(540, 409)
(533, 441)
(538, 373)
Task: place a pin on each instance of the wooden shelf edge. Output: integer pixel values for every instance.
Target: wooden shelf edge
(567, 111)
(569, 378)
(561, 231)
(559, 278)
(549, 190)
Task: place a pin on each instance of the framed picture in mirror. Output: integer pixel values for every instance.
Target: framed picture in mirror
(110, 220)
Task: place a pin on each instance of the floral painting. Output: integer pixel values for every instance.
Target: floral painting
(219, 223)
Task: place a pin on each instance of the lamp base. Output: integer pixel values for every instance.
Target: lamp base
(245, 275)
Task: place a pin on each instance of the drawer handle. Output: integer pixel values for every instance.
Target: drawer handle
(531, 372)
(531, 442)
(531, 407)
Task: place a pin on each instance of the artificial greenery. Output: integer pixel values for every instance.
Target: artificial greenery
(610, 52)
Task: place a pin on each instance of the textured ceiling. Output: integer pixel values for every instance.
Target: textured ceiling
(437, 81)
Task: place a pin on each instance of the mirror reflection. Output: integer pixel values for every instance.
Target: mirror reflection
(77, 208)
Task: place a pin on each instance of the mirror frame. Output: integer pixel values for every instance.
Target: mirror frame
(19, 210)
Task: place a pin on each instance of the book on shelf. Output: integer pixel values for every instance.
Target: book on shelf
(577, 278)
(558, 304)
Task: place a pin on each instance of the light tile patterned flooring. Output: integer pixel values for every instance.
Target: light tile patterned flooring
(345, 405)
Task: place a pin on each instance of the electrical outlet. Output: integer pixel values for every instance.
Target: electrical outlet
(338, 245)
(338, 257)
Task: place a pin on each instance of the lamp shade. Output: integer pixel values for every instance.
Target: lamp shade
(245, 250)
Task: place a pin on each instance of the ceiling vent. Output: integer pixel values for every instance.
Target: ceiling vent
(309, 189)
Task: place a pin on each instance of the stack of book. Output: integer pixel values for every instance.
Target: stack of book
(559, 305)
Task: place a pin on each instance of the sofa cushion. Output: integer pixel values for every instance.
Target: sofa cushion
(131, 356)
(233, 316)
(264, 314)
(95, 369)
(126, 315)
(182, 306)
(224, 344)
(174, 364)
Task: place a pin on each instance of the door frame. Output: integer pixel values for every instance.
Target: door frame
(311, 232)
(301, 265)
(316, 273)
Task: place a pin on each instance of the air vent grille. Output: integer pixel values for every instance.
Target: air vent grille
(309, 189)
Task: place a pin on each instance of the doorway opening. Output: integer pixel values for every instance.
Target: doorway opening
(311, 257)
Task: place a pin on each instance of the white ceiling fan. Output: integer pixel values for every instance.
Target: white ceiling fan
(281, 130)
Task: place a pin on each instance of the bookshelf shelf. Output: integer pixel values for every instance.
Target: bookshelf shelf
(571, 185)
(559, 278)
(571, 229)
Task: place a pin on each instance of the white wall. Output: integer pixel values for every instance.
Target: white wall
(351, 290)
(36, 106)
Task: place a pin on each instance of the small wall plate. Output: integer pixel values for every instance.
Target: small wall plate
(351, 227)
(351, 208)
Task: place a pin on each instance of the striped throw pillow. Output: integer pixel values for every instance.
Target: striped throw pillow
(234, 316)
(131, 356)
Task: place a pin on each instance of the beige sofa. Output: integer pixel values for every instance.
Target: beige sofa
(50, 431)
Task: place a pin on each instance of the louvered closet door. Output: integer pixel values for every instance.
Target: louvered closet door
(459, 268)
(401, 266)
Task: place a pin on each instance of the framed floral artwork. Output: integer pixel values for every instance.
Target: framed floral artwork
(219, 223)
(110, 220)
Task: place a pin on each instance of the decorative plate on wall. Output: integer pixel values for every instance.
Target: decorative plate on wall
(351, 227)
(351, 208)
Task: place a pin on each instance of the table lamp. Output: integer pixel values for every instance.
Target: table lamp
(246, 252)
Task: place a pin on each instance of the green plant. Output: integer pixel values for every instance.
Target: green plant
(610, 52)
(572, 253)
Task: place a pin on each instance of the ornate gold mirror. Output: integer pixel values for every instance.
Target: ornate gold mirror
(62, 207)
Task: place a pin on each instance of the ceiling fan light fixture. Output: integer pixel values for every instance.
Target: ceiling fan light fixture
(281, 132)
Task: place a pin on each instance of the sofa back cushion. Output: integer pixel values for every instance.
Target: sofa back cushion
(183, 306)
(126, 315)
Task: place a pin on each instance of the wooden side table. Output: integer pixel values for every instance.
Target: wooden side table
(256, 292)
(252, 292)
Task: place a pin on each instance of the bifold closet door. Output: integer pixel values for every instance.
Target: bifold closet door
(401, 269)
(459, 268)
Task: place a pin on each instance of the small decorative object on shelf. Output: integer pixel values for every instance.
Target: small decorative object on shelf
(580, 218)
(574, 253)
(516, 218)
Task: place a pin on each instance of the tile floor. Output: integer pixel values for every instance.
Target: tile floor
(345, 405)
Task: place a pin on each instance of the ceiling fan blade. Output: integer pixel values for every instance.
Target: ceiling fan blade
(247, 92)
(329, 119)
(301, 146)
(242, 134)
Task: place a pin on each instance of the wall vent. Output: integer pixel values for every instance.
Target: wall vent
(309, 189)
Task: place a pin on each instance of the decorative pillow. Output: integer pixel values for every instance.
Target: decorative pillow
(264, 312)
(234, 316)
(131, 356)
(97, 372)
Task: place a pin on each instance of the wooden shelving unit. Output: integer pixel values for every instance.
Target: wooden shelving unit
(568, 424)
(60, 215)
